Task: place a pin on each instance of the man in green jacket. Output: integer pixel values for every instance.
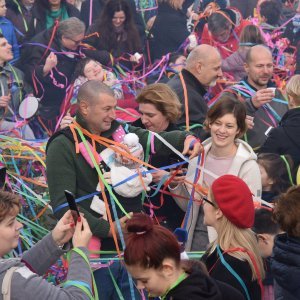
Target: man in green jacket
(68, 170)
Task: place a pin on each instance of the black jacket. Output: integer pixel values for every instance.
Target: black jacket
(285, 265)
(219, 272)
(38, 20)
(98, 5)
(33, 60)
(285, 139)
(198, 286)
(197, 104)
(170, 214)
(168, 32)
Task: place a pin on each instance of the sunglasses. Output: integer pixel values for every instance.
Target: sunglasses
(204, 198)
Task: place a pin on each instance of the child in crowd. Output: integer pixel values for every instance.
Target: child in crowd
(8, 30)
(17, 278)
(285, 262)
(152, 257)
(266, 229)
(234, 64)
(276, 174)
(234, 256)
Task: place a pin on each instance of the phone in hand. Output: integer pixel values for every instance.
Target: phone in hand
(72, 204)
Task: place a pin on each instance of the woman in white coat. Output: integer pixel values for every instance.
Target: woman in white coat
(224, 153)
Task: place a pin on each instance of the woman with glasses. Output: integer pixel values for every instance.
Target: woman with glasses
(233, 257)
(115, 35)
(224, 153)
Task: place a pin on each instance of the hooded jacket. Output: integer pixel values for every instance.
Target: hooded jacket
(244, 165)
(198, 286)
(285, 266)
(285, 139)
(26, 284)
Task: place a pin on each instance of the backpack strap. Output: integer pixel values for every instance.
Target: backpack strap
(6, 283)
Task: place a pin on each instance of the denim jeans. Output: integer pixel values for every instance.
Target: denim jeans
(105, 285)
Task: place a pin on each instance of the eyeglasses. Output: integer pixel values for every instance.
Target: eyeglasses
(75, 42)
(204, 198)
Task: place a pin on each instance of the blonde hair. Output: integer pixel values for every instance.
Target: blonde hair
(230, 236)
(163, 98)
(176, 4)
(293, 88)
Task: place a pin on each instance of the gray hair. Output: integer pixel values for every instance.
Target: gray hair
(70, 28)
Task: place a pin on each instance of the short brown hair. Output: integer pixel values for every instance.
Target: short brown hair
(163, 98)
(287, 211)
(9, 204)
(228, 104)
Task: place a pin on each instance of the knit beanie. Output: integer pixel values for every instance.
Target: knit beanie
(234, 199)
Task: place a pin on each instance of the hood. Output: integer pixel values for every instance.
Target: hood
(290, 123)
(285, 263)
(196, 286)
(6, 264)
(243, 154)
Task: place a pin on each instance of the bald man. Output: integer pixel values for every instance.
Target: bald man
(202, 70)
(264, 102)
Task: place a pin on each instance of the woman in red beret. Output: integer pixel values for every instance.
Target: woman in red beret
(233, 257)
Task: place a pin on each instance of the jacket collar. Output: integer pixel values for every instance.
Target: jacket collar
(193, 81)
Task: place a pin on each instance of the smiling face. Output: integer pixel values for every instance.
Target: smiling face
(260, 68)
(9, 233)
(99, 113)
(153, 280)
(152, 118)
(118, 19)
(93, 71)
(224, 131)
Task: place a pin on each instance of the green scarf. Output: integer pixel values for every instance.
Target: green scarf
(60, 14)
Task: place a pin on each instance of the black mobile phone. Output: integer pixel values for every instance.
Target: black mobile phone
(72, 204)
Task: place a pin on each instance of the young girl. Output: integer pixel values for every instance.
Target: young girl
(223, 154)
(28, 284)
(276, 174)
(152, 257)
(233, 257)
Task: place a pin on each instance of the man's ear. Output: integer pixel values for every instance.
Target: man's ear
(246, 67)
(83, 107)
(199, 67)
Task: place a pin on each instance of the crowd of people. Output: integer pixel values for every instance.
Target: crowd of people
(175, 129)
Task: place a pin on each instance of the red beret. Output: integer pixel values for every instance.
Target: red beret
(234, 198)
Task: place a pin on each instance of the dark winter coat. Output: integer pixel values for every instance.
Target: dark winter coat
(21, 20)
(97, 6)
(38, 20)
(168, 32)
(285, 139)
(170, 213)
(33, 60)
(219, 272)
(285, 265)
(197, 104)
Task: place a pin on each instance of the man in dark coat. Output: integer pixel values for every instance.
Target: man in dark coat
(203, 68)
(50, 67)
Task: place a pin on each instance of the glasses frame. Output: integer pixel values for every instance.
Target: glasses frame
(205, 199)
